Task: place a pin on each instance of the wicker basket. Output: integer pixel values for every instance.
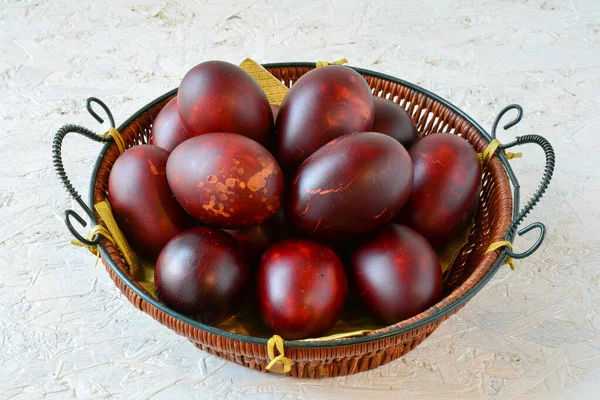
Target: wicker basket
(496, 220)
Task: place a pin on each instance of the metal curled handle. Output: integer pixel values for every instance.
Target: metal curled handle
(535, 246)
(546, 177)
(88, 106)
(62, 175)
(502, 113)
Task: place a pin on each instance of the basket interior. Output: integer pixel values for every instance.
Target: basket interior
(431, 116)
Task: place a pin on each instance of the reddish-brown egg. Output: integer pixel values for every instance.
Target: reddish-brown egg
(225, 180)
(167, 130)
(394, 121)
(202, 273)
(353, 184)
(216, 96)
(396, 273)
(142, 202)
(325, 103)
(445, 192)
(301, 288)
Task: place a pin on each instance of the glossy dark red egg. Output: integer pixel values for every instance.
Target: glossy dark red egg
(225, 180)
(142, 202)
(326, 103)
(167, 130)
(353, 184)
(301, 288)
(394, 121)
(202, 273)
(217, 96)
(445, 192)
(397, 273)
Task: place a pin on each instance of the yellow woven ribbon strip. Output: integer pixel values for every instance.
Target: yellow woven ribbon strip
(491, 148)
(273, 88)
(279, 363)
(338, 336)
(96, 230)
(498, 245)
(117, 138)
(325, 63)
(103, 208)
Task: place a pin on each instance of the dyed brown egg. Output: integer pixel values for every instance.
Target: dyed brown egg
(216, 96)
(353, 184)
(167, 130)
(301, 288)
(394, 121)
(225, 180)
(142, 202)
(202, 273)
(396, 273)
(325, 103)
(445, 192)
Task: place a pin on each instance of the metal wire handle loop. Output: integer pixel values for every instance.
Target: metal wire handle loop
(88, 106)
(535, 246)
(502, 113)
(546, 177)
(62, 175)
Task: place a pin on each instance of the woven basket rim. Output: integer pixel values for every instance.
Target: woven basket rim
(393, 332)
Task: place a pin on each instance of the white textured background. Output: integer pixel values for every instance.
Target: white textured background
(67, 332)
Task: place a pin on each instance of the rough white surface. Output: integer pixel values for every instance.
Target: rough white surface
(67, 332)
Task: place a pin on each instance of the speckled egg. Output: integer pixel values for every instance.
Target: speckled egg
(225, 180)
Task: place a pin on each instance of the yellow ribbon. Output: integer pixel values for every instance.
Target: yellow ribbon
(96, 230)
(273, 87)
(104, 210)
(325, 63)
(500, 244)
(278, 363)
(491, 148)
(112, 132)
(338, 336)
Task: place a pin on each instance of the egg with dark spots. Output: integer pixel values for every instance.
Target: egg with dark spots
(167, 130)
(445, 192)
(142, 202)
(225, 180)
(323, 104)
(217, 96)
(396, 273)
(353, 184)
(393, 120)
(301, 288)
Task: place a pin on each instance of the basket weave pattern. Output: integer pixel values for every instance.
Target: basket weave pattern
(490, 223)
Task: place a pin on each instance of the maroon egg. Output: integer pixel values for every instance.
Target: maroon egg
(142, 202)
(216, 96)
(301, 288)
(225, 180)
(396, 273)
(394, 121)
(202, 273)
(353, 184)
(167, 130)
(445, 192)
(256, 239)
(325, 103)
